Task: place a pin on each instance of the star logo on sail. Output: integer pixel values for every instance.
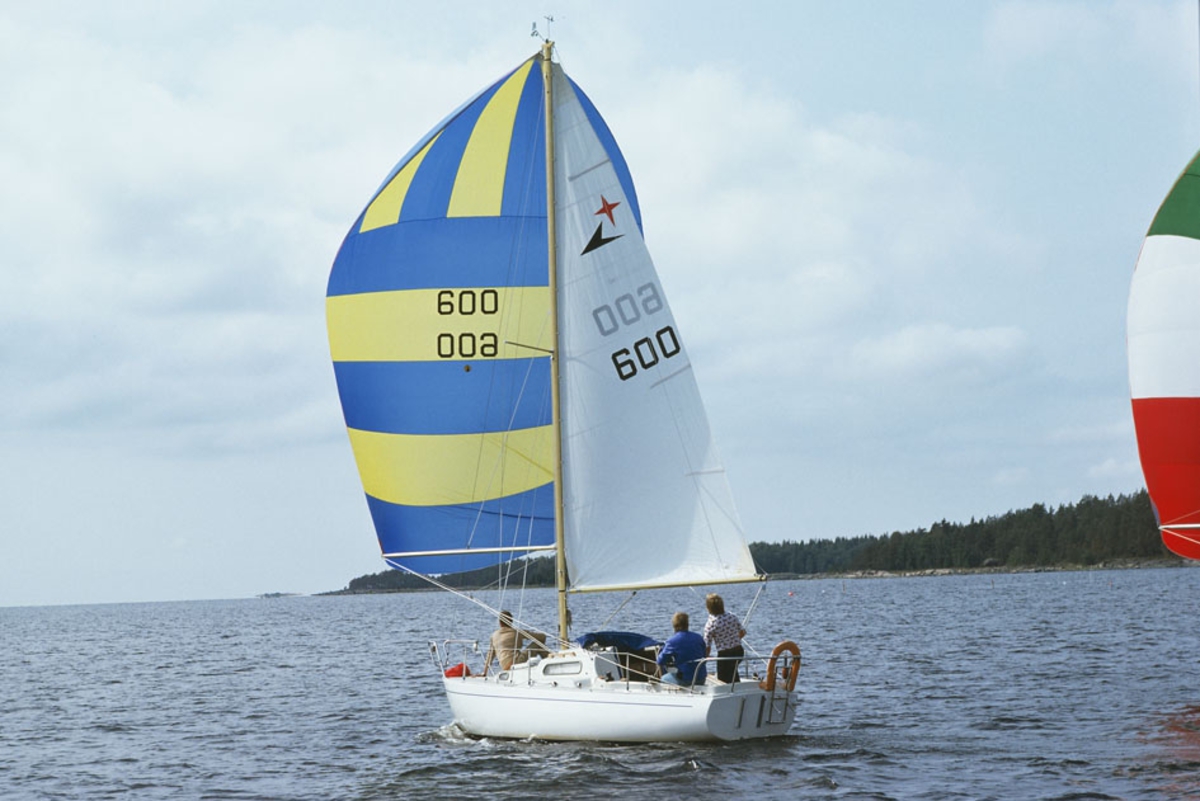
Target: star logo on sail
(598, 239)
(606, 209)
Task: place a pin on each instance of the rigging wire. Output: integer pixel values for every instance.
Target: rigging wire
(608, 619)
(749, 613)
(517, 623)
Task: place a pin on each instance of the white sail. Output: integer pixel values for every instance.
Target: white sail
(646, 499)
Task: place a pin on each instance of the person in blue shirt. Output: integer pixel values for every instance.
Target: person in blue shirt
(681, 660)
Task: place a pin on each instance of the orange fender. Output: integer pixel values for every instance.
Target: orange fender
(458, 671)
(790, 673)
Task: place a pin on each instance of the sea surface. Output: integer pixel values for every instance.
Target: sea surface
(1064, 685)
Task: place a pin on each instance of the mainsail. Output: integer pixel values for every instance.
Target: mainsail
(440, 327)
(1164, 362)
(647, 502)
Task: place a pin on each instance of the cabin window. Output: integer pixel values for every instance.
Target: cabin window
(562, 668)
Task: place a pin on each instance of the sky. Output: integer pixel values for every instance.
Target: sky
(897, 237)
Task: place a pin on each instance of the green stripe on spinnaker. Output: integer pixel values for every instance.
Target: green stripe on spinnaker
(1179, 214)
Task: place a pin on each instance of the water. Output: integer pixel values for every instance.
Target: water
(1047, 685)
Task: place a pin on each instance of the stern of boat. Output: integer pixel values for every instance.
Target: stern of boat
(744, 711)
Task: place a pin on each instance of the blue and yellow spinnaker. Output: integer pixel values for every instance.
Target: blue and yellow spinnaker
(438, 310)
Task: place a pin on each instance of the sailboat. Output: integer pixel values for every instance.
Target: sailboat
(515, 385)
(1163, 339)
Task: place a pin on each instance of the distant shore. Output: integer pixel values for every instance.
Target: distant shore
(1113, 564)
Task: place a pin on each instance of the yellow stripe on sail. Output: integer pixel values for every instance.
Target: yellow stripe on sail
(438, 470)
(385, 208)
(417, 325)
(479, 186)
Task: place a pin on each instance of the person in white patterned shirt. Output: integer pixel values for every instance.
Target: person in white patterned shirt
(724, 632)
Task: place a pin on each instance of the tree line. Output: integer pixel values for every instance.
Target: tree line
(1089, 532)
(533, 572)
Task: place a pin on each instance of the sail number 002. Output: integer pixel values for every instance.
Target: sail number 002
(627, 310)
(468, 302)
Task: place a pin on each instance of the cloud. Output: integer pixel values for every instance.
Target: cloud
(169, 245)
(1129, 470)
(1068, 40)
(935, 349)
(1012, 476)
(807, 246)
(1106, 433)
(766, 186)
(1024, 31)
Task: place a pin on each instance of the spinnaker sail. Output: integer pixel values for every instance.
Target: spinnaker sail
(1164, 362)
(437, 317)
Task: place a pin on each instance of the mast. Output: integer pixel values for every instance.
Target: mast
(560, 554)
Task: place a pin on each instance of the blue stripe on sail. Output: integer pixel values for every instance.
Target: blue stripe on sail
(524, 519)
(443, 398)
(525, 178)
(614, 152)
(429, 194)
(453, 115)
(443, 253)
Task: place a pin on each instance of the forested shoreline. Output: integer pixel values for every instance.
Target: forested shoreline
(1094, 531)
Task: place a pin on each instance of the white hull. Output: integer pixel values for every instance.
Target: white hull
(543, 701)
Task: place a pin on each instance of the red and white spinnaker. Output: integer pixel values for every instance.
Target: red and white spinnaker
(1164, 362)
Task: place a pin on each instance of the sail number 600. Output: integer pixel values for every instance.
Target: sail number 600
(468, 301)
(645, 353)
